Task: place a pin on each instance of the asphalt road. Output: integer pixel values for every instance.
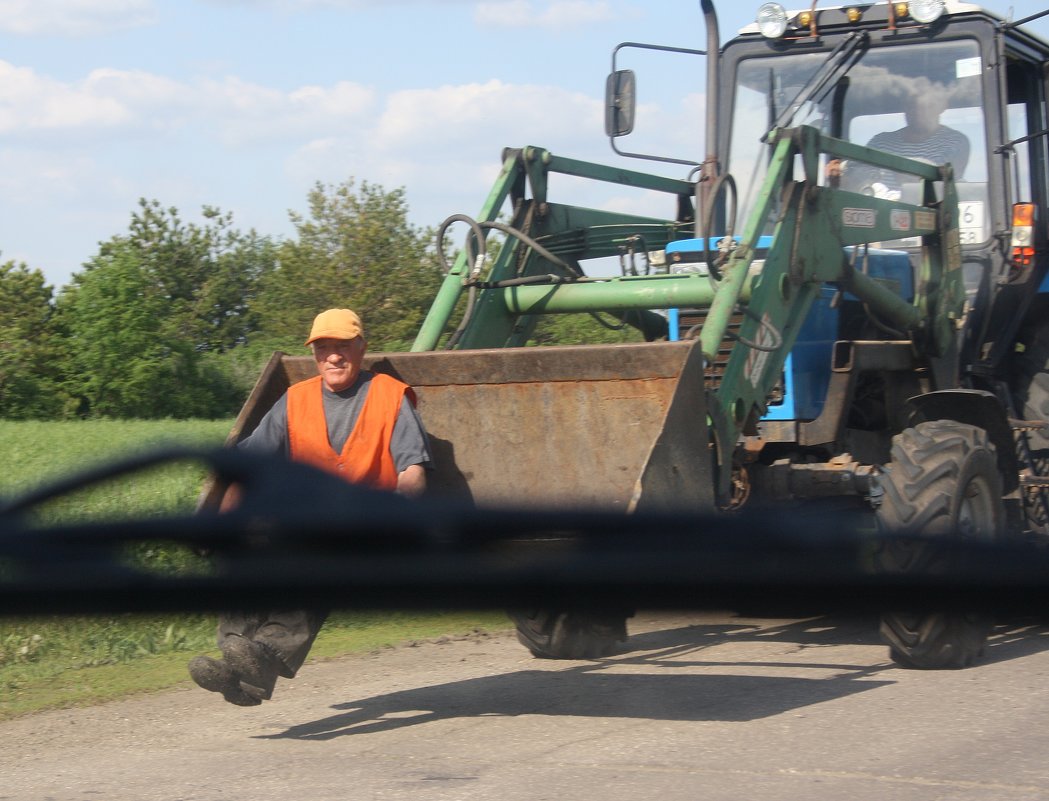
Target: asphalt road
(696, 706)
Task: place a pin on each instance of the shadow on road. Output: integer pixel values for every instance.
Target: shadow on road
(819, 632)
(593, 689)
(1014, 642)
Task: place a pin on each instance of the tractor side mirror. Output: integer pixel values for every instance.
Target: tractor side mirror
(620, 94)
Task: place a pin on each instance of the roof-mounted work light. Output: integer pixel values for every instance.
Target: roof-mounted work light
(772, 20)
(926, 11)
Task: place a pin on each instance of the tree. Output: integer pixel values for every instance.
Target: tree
(355, 249)
(150, 305)
(29, 385)
(131, 363)
(209, 274)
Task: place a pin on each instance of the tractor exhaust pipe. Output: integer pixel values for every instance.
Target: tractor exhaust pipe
(713, 81)
(711, 167)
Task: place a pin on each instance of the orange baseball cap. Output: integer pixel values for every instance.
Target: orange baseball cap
(336, 324)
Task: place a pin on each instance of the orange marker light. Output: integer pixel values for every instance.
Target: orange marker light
(1023, 234)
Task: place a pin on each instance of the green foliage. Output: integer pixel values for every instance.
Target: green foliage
(582, 329)
(150, 304)
(128, 366)
(355, 249)
(47, 643)
(29, 388)
(208, 274)
(240, 367)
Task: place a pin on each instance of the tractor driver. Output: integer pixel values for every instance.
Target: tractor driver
(923, 138)
(362, 426)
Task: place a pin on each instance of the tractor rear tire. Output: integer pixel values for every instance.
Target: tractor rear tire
(942, 481)
(1030, 380)
(555, 634)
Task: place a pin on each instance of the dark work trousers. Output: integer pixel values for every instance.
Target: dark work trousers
(288, 634)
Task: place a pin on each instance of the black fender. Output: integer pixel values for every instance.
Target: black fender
(974, 407)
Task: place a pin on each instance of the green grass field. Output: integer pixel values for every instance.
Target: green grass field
(60, 662)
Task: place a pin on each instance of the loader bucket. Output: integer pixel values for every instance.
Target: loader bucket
(615, 427)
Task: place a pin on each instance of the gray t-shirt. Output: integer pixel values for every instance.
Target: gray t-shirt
(409, 444)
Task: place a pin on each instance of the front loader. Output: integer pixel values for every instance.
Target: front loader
(879, 345)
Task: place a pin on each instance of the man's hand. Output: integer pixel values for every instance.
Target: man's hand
(411, 482)
(231, 498)
(835, 168)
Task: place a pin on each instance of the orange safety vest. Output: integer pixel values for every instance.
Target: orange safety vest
(366, 457)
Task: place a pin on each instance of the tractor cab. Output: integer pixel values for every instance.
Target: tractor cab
(942, 82)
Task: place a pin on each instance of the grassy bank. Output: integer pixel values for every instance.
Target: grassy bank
(59, 662)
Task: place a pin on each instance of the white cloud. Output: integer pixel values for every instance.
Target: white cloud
(246, 112)
(130, 101)
(30, 102)
(556, 15)
(342, 99)
(483, 114)
(74, 17)
(295, 6)
(443, 145)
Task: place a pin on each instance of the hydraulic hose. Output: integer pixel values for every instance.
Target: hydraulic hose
(477, 233)
(707, 218)
(470, 278)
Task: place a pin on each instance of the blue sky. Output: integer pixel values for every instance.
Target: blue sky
(246, 104)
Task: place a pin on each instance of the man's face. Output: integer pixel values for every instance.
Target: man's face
(923, 113)
(338, 361)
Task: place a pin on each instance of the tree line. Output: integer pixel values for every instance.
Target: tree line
(174, 319)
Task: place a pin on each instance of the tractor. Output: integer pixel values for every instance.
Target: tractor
(828, 322)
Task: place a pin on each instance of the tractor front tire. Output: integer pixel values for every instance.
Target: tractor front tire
(557, 634)
(942, 481)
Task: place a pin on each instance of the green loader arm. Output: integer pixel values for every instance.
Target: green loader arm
(813, 228)
(502, 306)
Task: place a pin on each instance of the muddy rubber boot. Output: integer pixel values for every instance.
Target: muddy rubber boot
(216, 676)
(256, 666)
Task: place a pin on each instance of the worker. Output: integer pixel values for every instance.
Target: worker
(360, 425)
(923, 138)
